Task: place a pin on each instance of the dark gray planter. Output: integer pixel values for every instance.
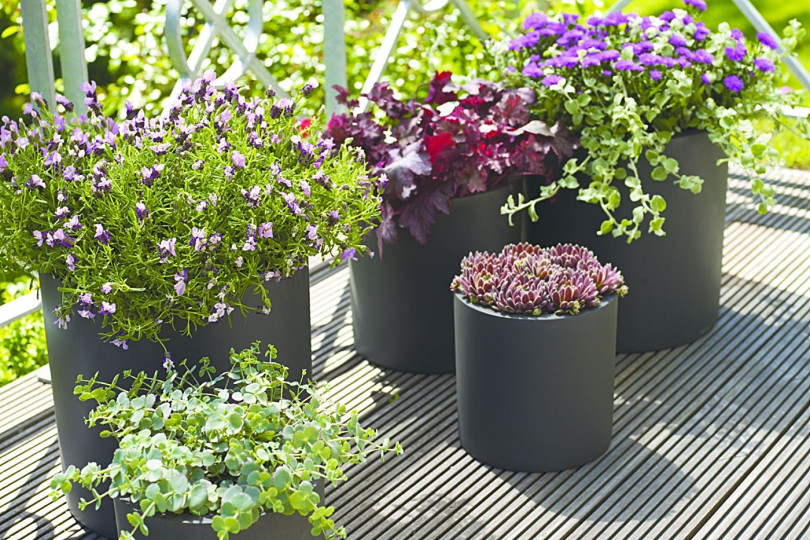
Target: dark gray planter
(535, 394)
(674, 280)
(401, 302)
(79, 350)
(270, 526)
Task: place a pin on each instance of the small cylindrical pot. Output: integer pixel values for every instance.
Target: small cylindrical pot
(676, 278)
(79, 351)
(535, 394)
(402, 308)
(270, 526)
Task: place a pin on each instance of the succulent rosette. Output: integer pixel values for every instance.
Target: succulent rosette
(625, 84)
(169, 221)
(525, 279)
(457, 141)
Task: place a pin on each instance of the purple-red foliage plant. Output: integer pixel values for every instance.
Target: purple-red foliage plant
(526, 279)
(457, 141)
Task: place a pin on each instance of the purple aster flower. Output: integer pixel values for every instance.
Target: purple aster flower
(737, 34)
(615, 18)
(106, 288)
(266, 230)
(535, 20)
(166, 247)
(736, 54)
(701, 32)
(677, 40)
(649, 59)
(238, 159)
(768, 40)
(627, 65)
(699, 4)
(107, 308)
(551, 80)
(607, 73)
(764, 64)
(532, 70)
(609, 55)
(655, 75)
(525, 41)
(702, 56)
(733, 83)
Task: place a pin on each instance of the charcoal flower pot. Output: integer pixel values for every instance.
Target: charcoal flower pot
(401, 302)
(79, 350)
(674, 280)
(535, 394)
(270, 526)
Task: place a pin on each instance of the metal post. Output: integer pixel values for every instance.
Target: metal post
(334, 51)
(38, 49)
(71, 51)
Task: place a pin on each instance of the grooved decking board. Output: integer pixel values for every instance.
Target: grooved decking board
(711, 440)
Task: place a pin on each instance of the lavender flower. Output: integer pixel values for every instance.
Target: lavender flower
(107, 308)
(266, 230)
(140, 211)
(102, 235)
(349, 254)
(180, 286)
(106, 288)
(166, 247)
(35, 183)
(238, 160)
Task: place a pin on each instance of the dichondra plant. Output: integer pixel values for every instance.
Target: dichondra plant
(530, 280)
(232, 446)
(627, 84)
(169, 221)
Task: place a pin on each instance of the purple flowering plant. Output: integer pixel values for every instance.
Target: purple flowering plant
(457, 141)
(626, 84)
(168, 221)
(525, 279)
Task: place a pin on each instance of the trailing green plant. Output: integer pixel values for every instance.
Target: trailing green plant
(232, 446)
(627, 84)
(169, 221)
(525, 279)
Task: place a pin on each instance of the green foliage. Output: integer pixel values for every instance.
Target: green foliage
(172, 220)
(231, 446)
(22, 343)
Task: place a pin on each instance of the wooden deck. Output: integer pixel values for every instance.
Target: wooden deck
(711, 440)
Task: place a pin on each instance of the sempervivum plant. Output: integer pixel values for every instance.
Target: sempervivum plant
(457, 141)
(626, 84)
(530, 280)
(168, 221)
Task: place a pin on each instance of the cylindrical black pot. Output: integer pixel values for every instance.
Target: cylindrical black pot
(79, 350)
(535, 394)
(401, 302)
(270, 526)
(674, 280)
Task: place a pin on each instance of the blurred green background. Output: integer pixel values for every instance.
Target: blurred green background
(126, 57)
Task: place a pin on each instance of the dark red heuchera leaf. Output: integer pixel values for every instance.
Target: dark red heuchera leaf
(457, 141)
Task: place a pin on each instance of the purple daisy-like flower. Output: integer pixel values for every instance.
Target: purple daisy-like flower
(525, 41)
(701, 32)
(768, 40)
(551, 80)
(655, 75)
(705, 78)
(627, 65)
(764, 64)
(535, 20)
(733, 83)
(702, 56)
(609, 55)
(699, 4)
(677, 40)
(736, 54)
(532, 70)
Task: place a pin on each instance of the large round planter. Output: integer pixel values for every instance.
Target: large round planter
(674, 280)
(535, 394)
(402, 307)
(79, 351)
(270, 526)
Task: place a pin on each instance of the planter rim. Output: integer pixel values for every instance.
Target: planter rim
(544, 317)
